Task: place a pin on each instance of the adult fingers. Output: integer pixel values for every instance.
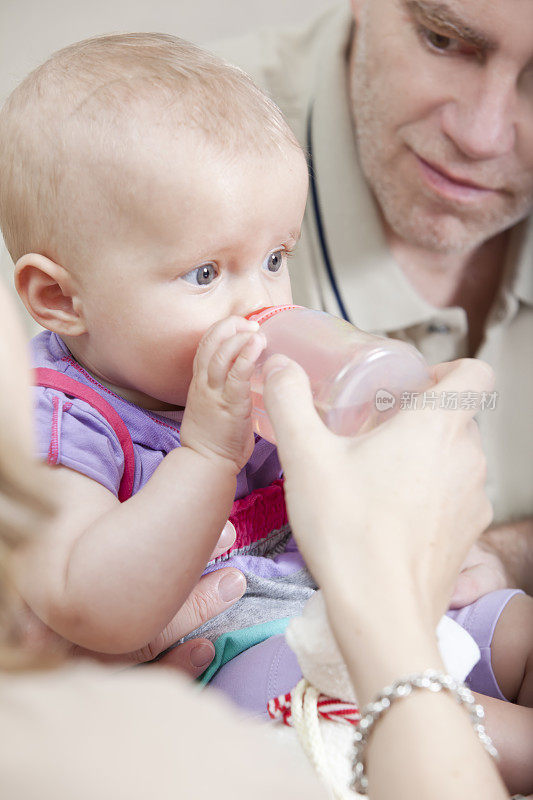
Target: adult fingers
(213, 594)
(467, 375)
(289, 404)
(227, 537)
(192, 657)
(474, 582)
(482, 571)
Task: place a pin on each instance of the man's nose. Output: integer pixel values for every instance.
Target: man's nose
(482, 122)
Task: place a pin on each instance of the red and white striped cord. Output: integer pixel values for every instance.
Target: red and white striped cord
(280, 708)
(302, 709)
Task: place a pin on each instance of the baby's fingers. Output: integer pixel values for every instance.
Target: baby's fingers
(226, 356)
(217, 335)
(237, 386)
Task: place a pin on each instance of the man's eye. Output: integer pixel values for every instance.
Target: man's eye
(274, 261)
(438, 41)
(201, 276)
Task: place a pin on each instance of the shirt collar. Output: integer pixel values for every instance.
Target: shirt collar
(521, 261)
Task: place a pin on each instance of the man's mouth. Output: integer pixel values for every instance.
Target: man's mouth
(450, 186)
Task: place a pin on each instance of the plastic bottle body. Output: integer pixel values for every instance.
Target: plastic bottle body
(356, 378)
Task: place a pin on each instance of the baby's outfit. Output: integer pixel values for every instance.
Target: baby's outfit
(83, 425)
(70, 431)
(271, 669)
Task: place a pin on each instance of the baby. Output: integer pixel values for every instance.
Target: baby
(150, 194)
(150, 197)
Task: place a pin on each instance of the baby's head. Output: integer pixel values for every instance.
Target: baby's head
(147, 190)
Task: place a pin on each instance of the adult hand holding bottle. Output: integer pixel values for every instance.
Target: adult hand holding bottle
(384, 521)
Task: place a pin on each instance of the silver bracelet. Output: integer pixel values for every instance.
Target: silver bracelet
(435, 682)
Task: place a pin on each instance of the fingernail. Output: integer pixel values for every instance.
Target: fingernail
(202, 655)
(231, 587)
(228, 535)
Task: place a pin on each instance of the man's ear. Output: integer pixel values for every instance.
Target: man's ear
(47, 290)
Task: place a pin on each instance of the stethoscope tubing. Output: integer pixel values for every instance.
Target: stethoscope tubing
(318, 221)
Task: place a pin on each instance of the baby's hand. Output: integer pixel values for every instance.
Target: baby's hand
(217, 414)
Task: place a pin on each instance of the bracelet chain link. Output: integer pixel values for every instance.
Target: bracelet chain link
(431, 680)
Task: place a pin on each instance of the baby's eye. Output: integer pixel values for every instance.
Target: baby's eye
(274, 261)
(201, 276)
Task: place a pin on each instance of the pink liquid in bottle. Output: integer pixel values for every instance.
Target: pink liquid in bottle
(357, 379)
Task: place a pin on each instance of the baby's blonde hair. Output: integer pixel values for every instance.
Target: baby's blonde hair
(94, 94)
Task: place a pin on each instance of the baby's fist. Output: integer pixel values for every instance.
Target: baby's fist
(217, 415)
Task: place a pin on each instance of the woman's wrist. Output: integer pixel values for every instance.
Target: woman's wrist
(385, 641)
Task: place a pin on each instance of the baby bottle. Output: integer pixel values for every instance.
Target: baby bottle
(357, 379)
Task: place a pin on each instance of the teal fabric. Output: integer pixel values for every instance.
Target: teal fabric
(231, 644)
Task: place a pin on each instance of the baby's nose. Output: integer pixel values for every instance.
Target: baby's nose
(250, 301)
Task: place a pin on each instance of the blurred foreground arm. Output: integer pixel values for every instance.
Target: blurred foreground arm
(384, 537)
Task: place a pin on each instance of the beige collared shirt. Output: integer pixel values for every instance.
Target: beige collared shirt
(305, 73)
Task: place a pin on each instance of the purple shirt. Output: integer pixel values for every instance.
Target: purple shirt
(70, 432)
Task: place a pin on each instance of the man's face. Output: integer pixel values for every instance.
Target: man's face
(443, 107)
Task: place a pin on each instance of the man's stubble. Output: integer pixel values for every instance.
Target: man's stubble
(412, 211)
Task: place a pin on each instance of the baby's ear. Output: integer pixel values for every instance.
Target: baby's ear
(48, 292)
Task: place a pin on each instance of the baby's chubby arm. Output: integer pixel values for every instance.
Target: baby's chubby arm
(110, 576)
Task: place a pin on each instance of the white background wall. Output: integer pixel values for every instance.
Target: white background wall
(30, 30)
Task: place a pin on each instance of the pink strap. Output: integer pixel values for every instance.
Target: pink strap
(52, 379)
